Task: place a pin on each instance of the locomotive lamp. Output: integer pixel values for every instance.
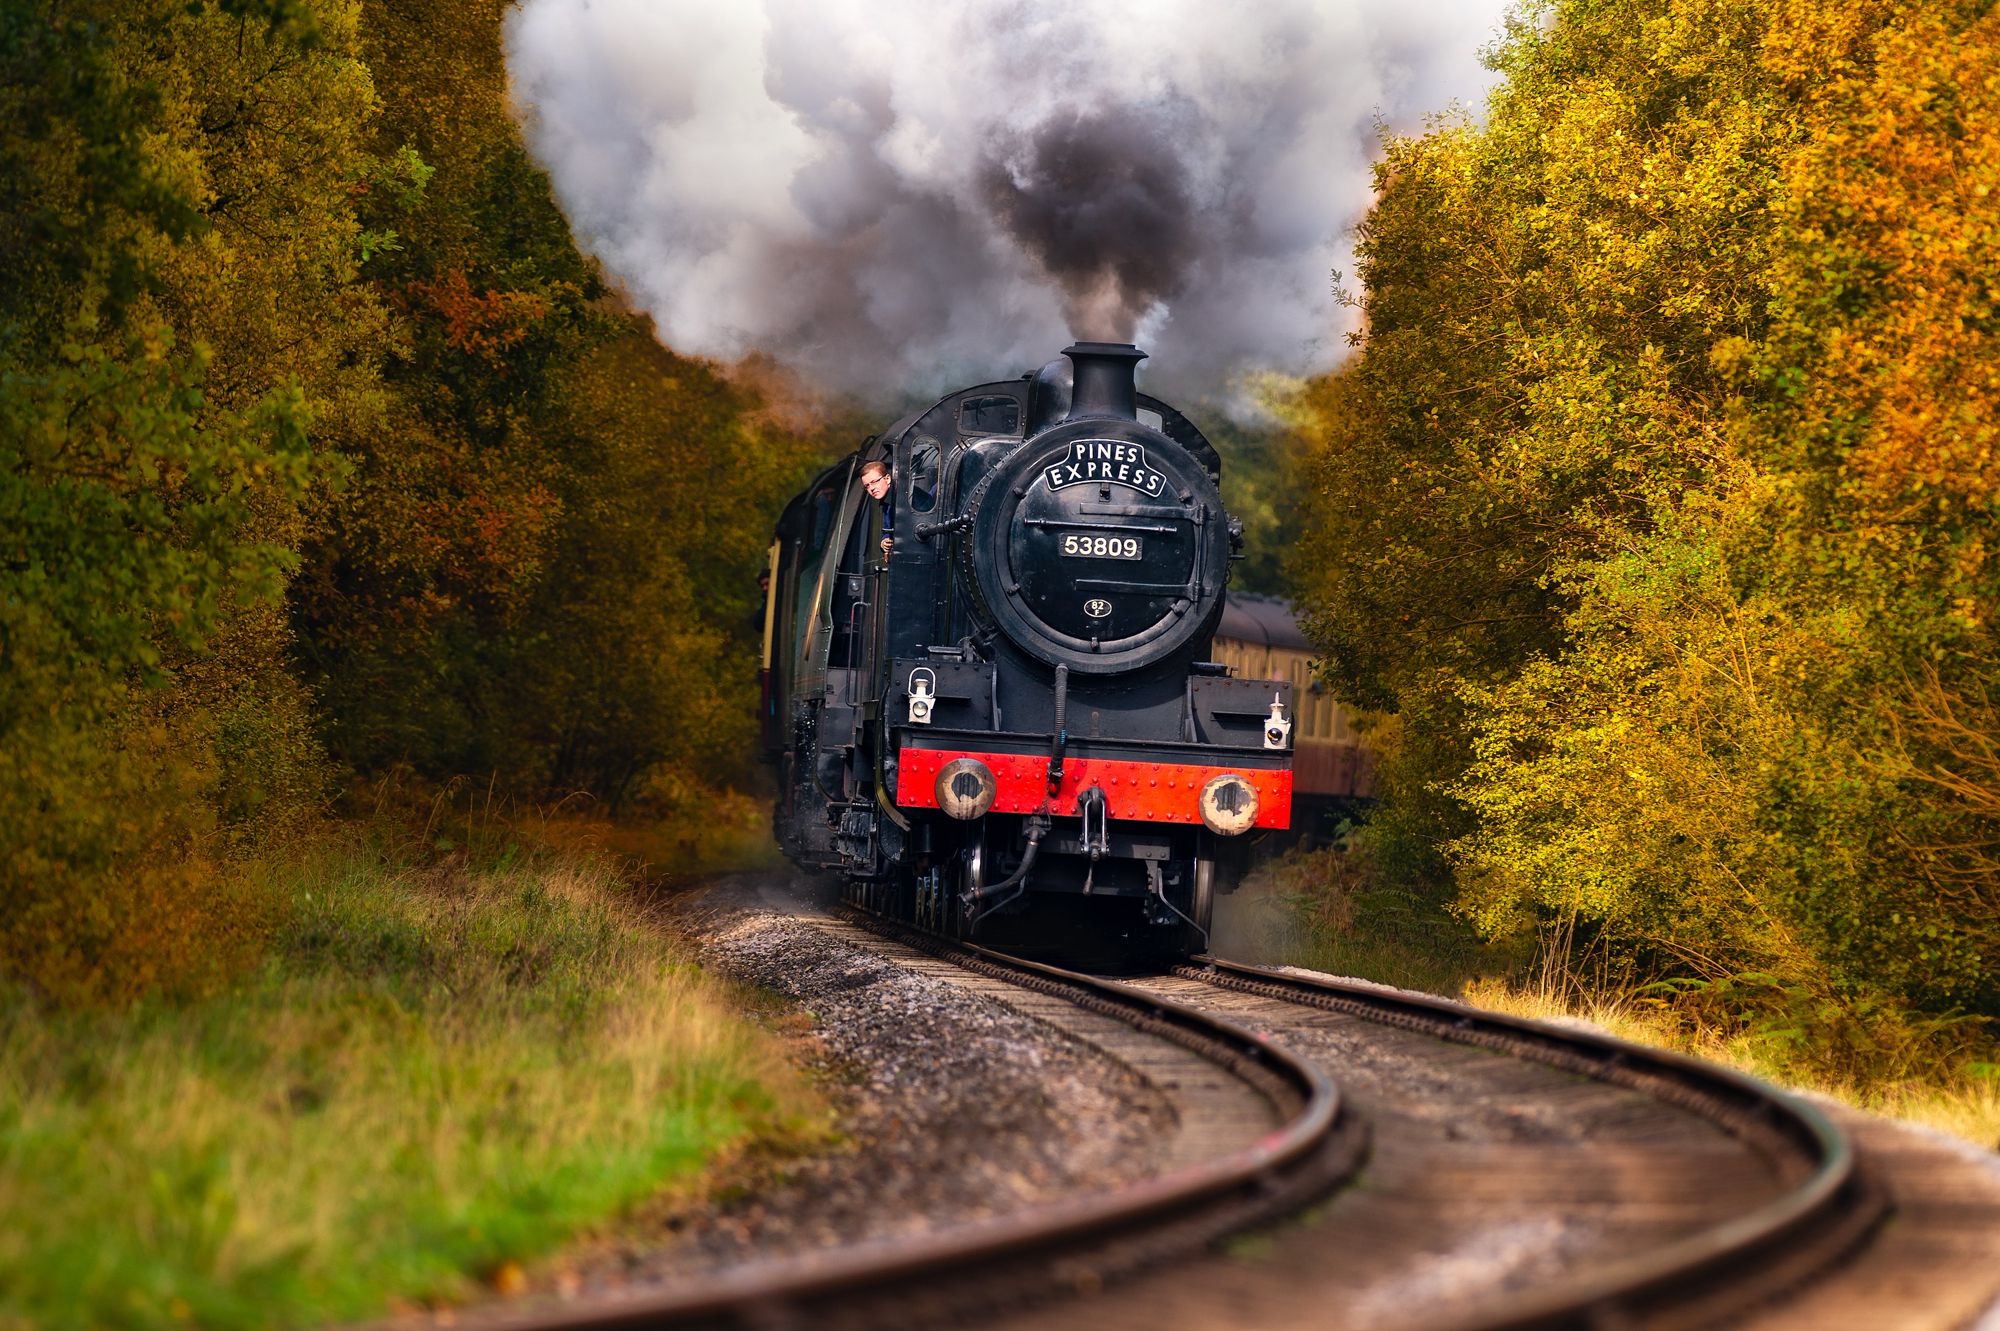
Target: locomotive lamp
(923, 694)
(1277, 729)
(965, 788)
(1228, 805)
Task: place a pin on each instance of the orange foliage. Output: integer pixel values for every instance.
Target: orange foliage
(1894, 200)
(485, 325)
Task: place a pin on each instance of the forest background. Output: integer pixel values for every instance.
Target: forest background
(1652, 516)
(1655, 518)
(1651, 519)
(348, 521)
(324, 454)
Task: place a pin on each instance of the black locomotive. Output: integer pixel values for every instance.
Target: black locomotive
(1019, 701)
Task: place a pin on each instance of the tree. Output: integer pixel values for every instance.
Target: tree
(1657, 498)
(178, 311)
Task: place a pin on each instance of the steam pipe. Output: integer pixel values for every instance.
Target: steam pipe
(1015, 883)
(1059, 739)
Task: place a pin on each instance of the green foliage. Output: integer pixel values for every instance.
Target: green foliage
(631, 645)
(544, 572)
(434, 544)
(311, 412)
(1257, 466)
(642, 651)
(1338, 910)
(164, 359)
(1656, 501)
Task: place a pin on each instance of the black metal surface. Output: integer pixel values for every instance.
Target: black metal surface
(1099, 477)
(1104, 381)
(1096, 541)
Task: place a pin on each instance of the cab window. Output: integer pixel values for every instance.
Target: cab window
(923, 471)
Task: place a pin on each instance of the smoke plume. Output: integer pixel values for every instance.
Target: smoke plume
(887, 196)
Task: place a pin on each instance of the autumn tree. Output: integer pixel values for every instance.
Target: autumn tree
(1657, 502)
(179, 316)
(538, 576)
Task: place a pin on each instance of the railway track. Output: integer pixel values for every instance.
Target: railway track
(1284, 1141)
(1700, 1195)
(1684, 1269)
(1703, 1192)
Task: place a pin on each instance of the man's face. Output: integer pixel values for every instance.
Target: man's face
(876, 483)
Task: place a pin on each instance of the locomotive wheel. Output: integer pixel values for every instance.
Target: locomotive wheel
(1202, 904)
(968, 873)
(1197, 901)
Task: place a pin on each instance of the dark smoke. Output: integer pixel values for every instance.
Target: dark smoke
(1104, 205)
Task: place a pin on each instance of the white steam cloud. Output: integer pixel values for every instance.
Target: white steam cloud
(895, 195)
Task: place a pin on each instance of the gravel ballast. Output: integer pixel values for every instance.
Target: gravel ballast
(952, 1105)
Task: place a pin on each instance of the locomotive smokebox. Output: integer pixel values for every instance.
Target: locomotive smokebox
(1104, 380)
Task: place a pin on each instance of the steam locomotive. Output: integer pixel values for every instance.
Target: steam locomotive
(1018, 703)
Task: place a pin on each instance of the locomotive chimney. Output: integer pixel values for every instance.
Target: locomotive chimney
(1104, 379)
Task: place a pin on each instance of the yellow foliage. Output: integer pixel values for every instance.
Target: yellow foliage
(1667, 466)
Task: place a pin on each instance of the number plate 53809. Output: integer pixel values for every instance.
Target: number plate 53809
(1080, 545)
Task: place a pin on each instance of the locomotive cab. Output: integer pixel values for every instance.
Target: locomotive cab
(1018, 702)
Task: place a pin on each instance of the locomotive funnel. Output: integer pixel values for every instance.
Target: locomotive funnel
(1104, 379)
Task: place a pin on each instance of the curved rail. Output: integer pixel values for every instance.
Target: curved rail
(1072, 1244)
(1828, 1207)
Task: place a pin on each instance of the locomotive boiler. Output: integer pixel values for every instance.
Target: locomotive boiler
(1018, 702)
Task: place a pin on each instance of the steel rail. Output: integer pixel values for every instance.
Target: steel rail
(1075, 1243)
(1829, 1206)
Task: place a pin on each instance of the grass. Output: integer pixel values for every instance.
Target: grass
(1963, 1102)
(1328, 911)
(434, 1075)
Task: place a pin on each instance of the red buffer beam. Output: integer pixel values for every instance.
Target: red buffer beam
(1133, 791)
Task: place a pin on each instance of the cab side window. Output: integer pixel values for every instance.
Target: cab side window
(923, 476)
(812, 555)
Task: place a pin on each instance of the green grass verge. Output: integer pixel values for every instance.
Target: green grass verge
(434, 1073)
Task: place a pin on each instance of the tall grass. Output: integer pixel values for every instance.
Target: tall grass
(1330, 910)
(1956, 1095)
(435, 1073)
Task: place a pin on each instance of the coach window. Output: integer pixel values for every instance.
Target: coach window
(923, 476)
